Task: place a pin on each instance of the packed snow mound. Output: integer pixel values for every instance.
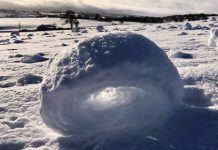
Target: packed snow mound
(111, 83)
(182, 55)
(186, 26)
(84, 31)
(30, 35)
(213, 41)
(15, 33)
(17, 41)
(199, 27)
(33, 58)
(100, 28)
(183, 33)
(212, 19)
(29, 79)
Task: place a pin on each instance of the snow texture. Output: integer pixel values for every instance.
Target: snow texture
(188, 127)
(115, 83)
(213, 38)
(33, 59)
(196, 97)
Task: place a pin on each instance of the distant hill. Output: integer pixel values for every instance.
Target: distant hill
(19, 13)
(103, 16)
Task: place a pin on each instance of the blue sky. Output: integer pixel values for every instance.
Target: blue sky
(143, 7)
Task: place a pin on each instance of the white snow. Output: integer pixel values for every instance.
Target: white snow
(213, 38)
(190, 126)
(33, 23)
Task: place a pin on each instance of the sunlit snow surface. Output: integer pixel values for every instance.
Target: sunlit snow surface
(21, 126)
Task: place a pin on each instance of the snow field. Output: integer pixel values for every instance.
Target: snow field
(21, 126)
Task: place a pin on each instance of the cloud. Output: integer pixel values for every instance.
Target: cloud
(142, 7)
(7, 5)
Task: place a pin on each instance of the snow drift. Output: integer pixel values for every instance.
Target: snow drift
(109, 84)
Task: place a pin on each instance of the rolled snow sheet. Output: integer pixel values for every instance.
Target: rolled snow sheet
(109, 83)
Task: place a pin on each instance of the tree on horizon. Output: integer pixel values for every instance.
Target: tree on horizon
(69, 17)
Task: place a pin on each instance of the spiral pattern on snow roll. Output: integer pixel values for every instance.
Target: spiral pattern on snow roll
(109, 83)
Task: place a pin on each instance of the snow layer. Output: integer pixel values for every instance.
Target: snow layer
(9, 24)
(109, 83)
(21, 126)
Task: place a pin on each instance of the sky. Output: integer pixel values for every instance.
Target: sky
(137, 7)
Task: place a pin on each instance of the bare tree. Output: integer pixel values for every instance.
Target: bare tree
(76, 22)
(69, 17)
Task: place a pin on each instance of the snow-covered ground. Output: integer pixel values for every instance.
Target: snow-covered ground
(33, 23)
(24, 60)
